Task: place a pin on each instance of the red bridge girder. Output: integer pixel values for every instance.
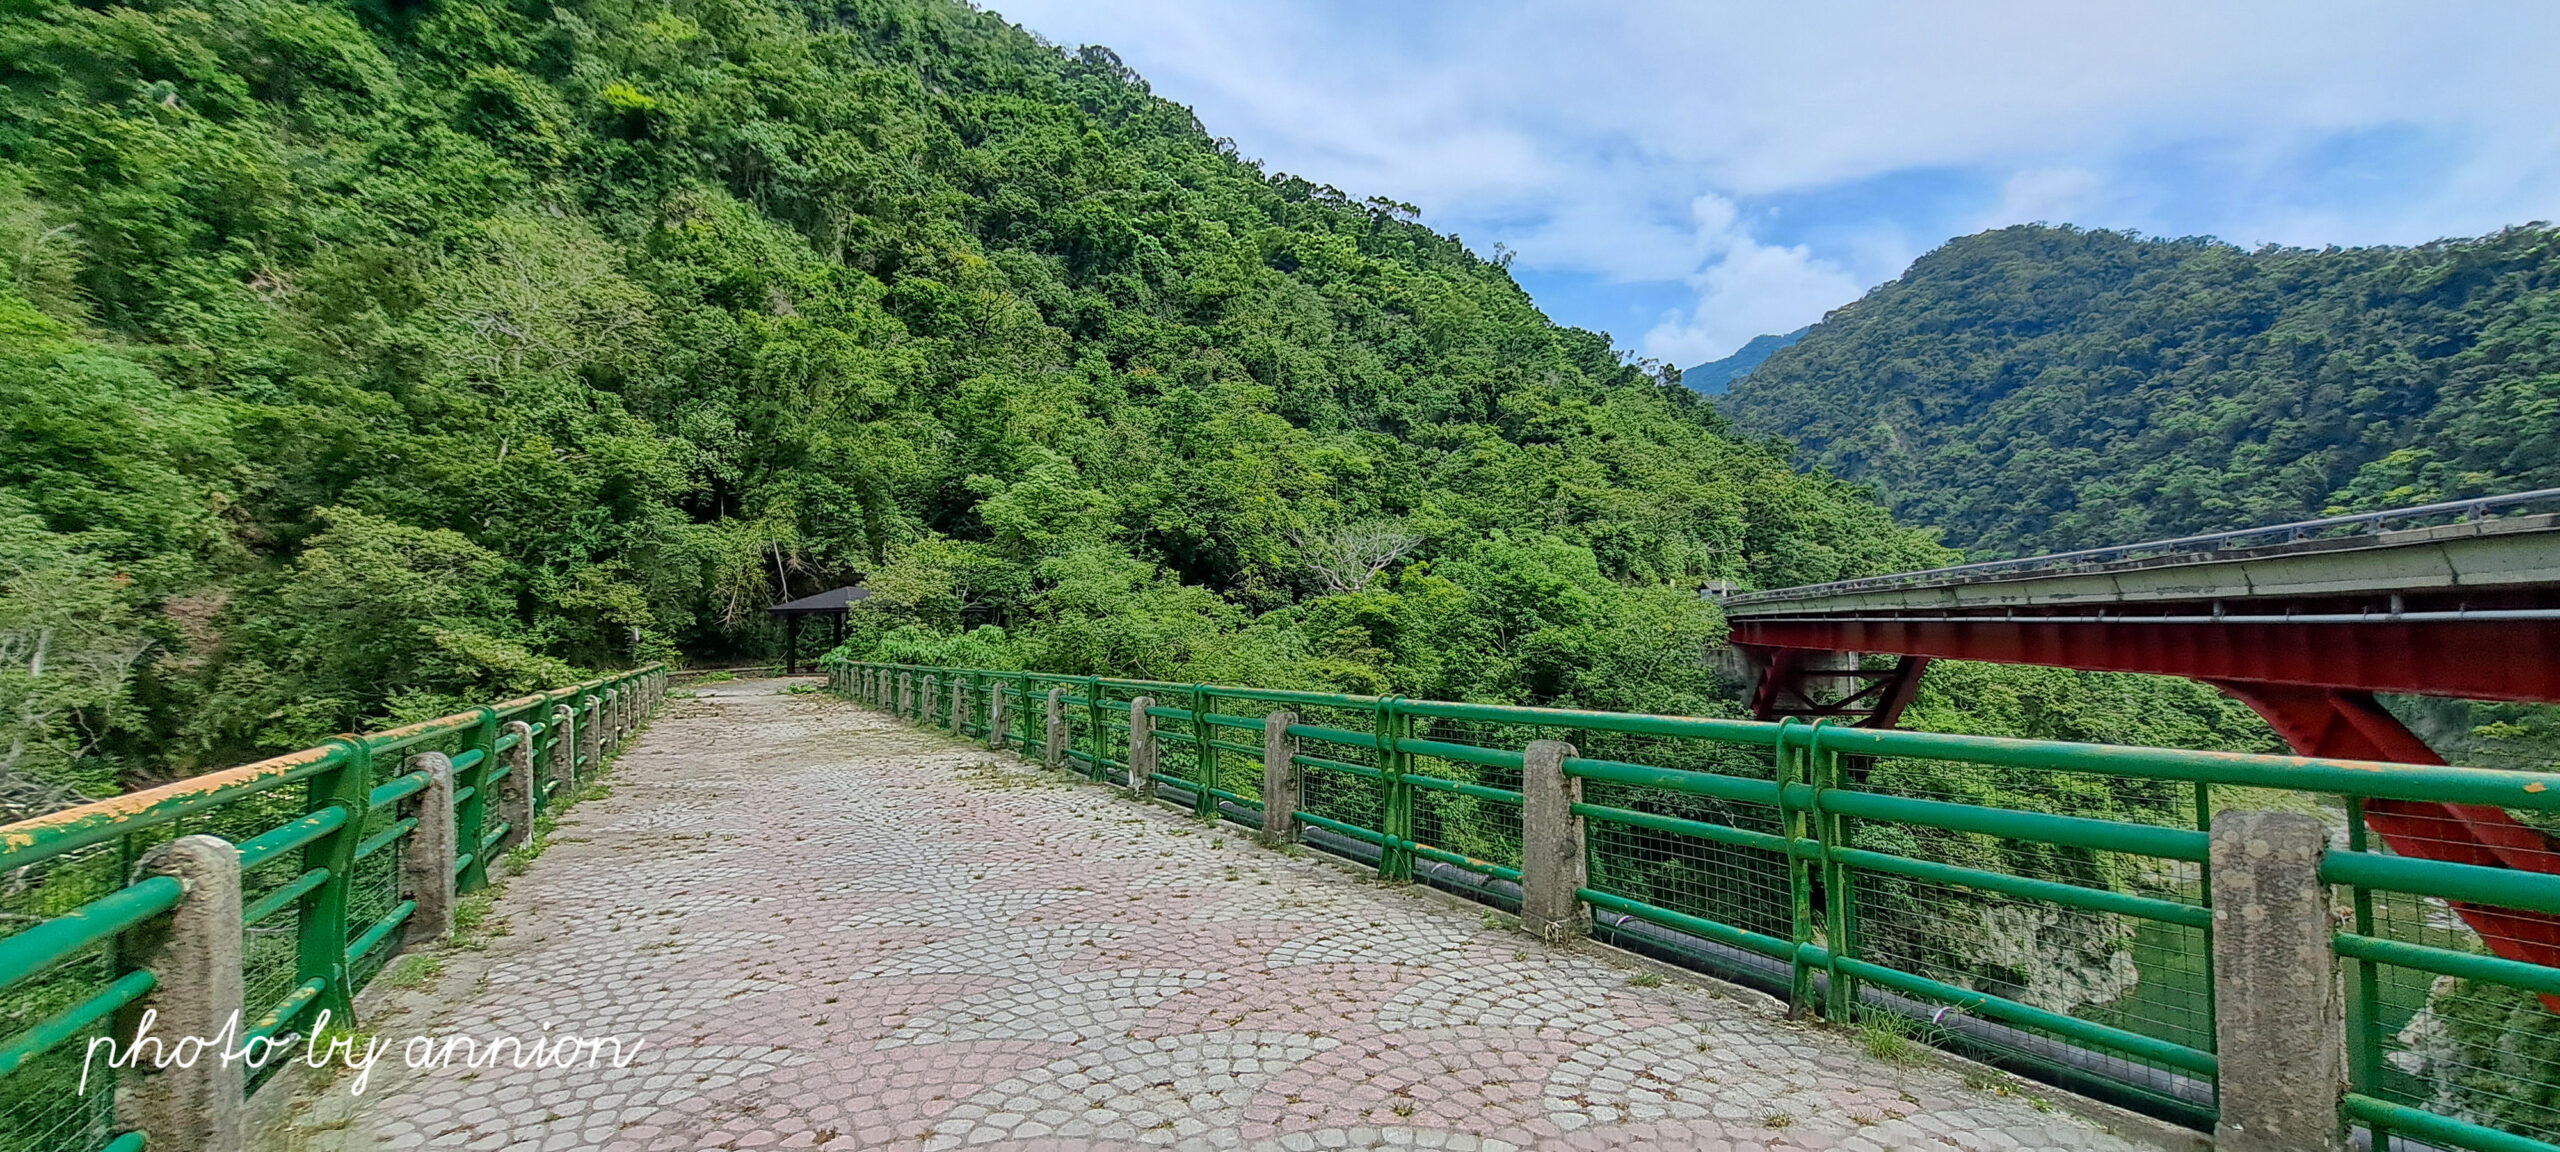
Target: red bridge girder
(2471, 659)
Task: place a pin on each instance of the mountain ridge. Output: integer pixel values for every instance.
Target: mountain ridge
(1715, 376)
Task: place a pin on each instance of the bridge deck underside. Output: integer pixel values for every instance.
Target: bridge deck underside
(837, 933)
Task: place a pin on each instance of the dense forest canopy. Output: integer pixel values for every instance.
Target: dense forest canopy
(2036, 388)
(362, 359)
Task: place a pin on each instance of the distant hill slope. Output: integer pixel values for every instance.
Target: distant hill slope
(1714, 376)
(2036, 388)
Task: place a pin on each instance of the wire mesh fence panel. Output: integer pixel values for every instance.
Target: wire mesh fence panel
(1178, 752)
(1339, 781)
(2142, 975)
(1238, 751)
(1462, 820)
(1026, 707)
(1731, 884)
(43, 1107)
(972, 709)
(373, 887)
(2476, 1050)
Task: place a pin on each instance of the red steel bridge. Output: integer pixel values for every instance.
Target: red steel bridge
(2304, 622)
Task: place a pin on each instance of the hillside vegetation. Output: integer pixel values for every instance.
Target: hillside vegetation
(361, 359)
(2036, 388)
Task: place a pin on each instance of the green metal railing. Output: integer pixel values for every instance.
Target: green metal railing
(2043, 905)
(320, 840)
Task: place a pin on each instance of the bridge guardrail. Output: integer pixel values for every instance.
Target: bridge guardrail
(2477, 509)
(2045, 906)
(324, 860)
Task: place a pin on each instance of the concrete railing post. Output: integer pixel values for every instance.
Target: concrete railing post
(195, 953)
(1281, 784)
(428, 853)
(564, 746)
(1053, 750)
(2276, 1009)
(906, 693)
(590, 739)
(960, 705)
(1553, 864)
(999, 718)
(1142, 747)
(515, 791)
(932, 696)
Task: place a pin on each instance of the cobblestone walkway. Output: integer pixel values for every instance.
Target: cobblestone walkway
(836, 932)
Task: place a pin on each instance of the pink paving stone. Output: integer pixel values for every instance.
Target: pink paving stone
(1335, 999)
(1228, 945)
(898, 1092)
(1126, 906)
(1474, 1080)
(1076, 869)
(821, 957)
(831, 1016)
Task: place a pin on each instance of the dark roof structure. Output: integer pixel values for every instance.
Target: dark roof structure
(834, 604)
(836, 600)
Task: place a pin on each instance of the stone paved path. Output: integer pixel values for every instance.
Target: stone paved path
(837, 932)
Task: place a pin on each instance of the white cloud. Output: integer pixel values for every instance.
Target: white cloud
(1746, 288)
(2050, 195)
(1582, 135)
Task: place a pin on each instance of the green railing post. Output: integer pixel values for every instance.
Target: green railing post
(1093, 722)
(1839, 885)
(2365, 1032)
(473, 812)
(1022, 712)
(320, 935)
(1793, 769)
(590, 734)
(2212, 1033)
(1395, 794)
(546, 759)
(1204, 756)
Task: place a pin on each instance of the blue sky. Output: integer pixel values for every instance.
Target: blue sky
(1688, 175)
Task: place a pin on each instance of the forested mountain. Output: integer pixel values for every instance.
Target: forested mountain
(361, 359)
(2039, 388)
(1714, 376)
